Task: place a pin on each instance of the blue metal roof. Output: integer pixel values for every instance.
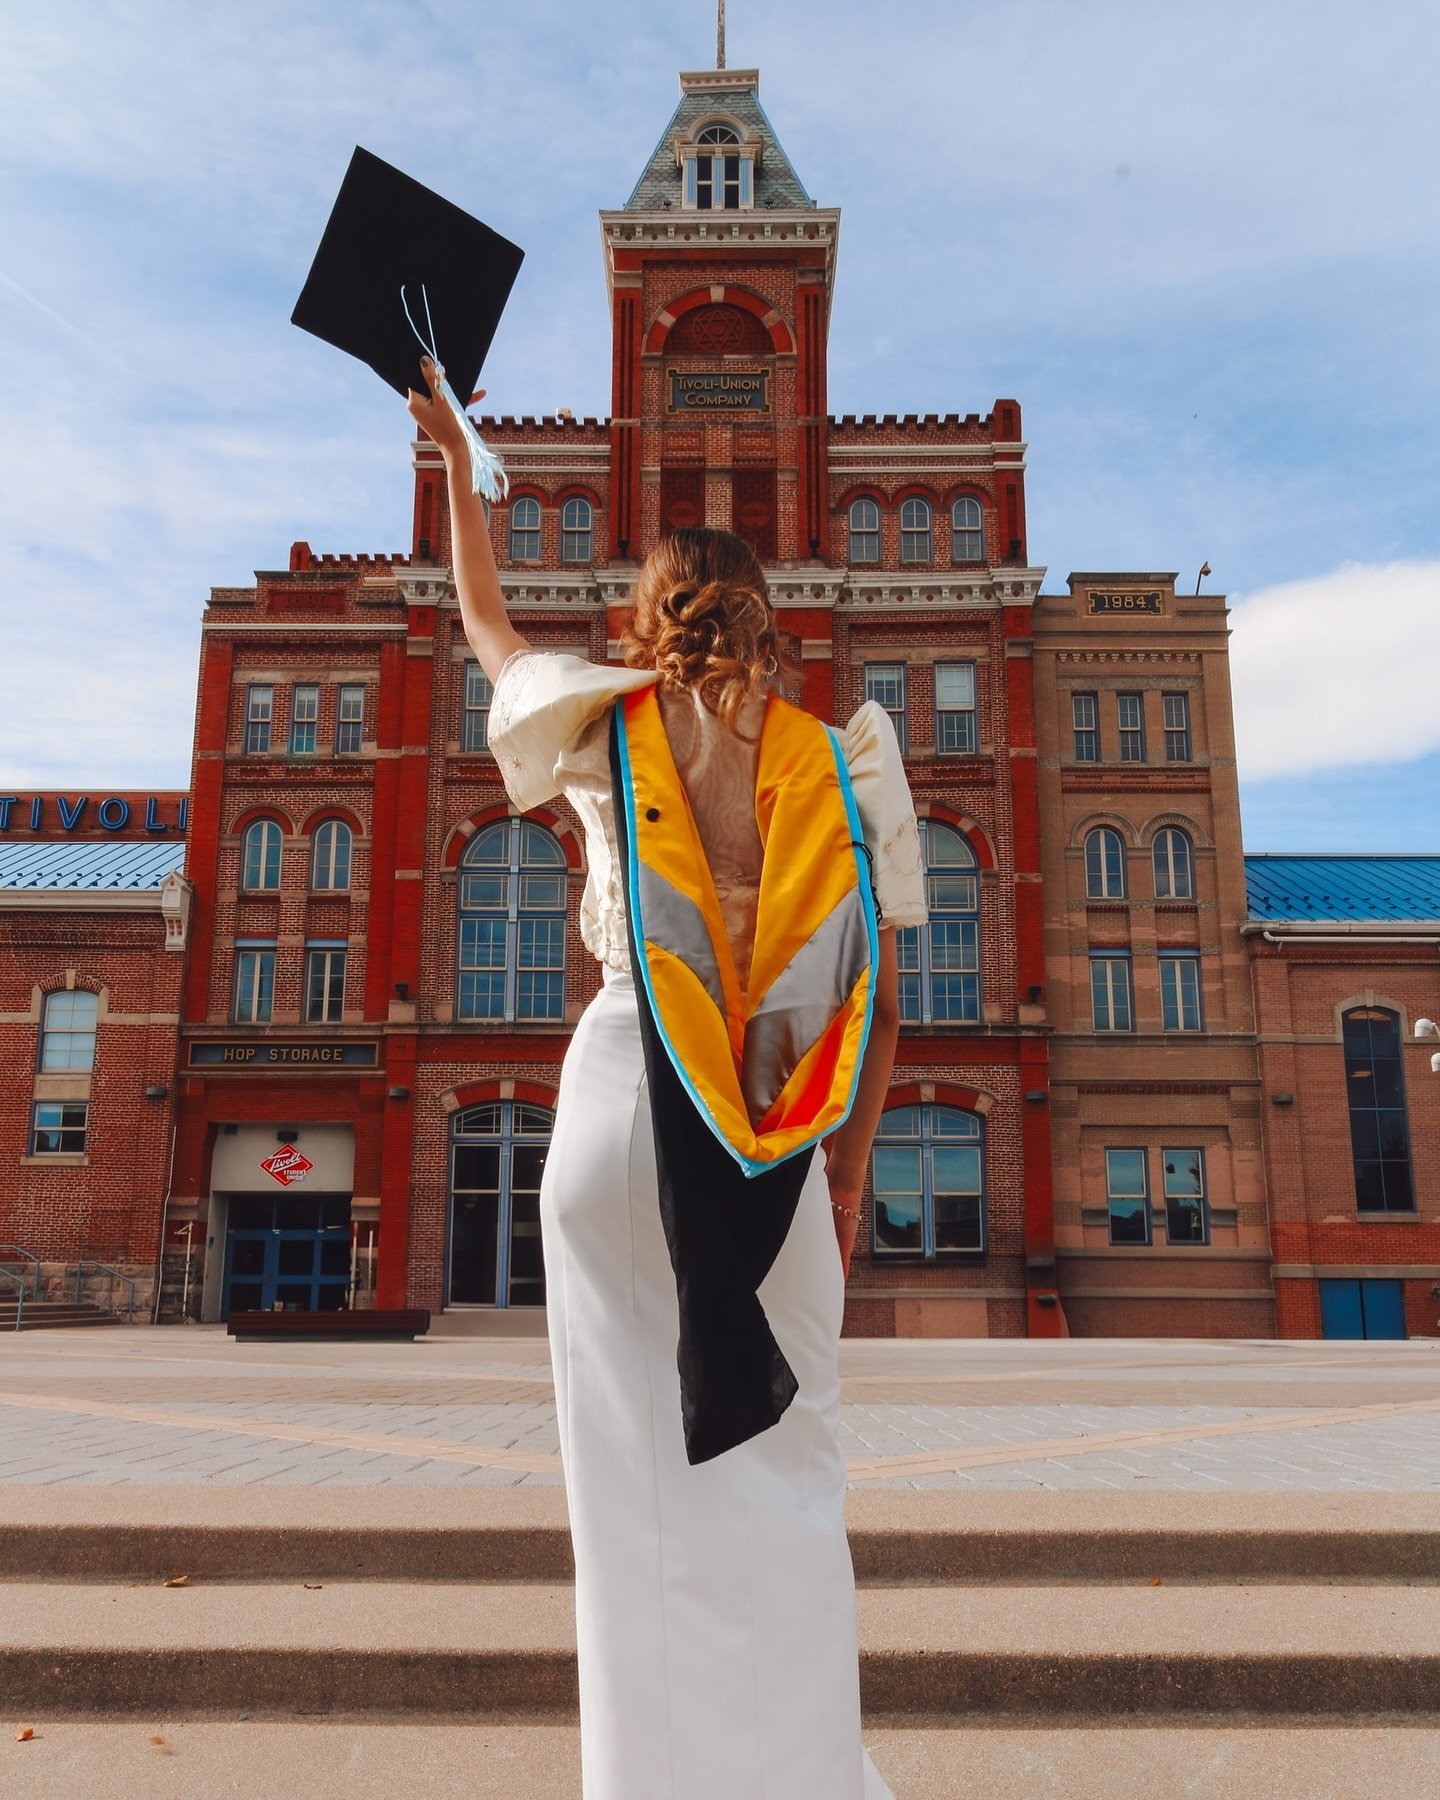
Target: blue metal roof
(88, 864)
(1281, 886)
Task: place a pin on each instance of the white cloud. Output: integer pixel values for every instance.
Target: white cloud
(1338, 670)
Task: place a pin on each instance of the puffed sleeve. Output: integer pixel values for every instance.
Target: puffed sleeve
(542, 700)
(887, 814)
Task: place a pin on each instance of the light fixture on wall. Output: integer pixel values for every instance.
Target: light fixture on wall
(399, 1093)
(1282, 1099)
(156, 1093)
(288, 1134)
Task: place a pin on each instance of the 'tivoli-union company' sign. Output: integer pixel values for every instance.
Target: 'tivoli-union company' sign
(719, 390)
(81, 812)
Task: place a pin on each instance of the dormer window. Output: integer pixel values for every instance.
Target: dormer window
(718, 169)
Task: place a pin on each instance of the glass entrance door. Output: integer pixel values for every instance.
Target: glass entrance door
(288, 1250)
(497, 1157)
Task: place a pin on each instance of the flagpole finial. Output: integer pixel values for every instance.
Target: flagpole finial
(719, 34)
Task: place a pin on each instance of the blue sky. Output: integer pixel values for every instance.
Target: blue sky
(1199, 245)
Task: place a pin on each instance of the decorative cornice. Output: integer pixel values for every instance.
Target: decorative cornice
(1122, 656)
(894, 591)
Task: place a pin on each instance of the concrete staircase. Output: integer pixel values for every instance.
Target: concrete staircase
(1020, 1643)
(50, 1315)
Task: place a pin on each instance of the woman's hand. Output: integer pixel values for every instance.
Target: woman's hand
(434, 417)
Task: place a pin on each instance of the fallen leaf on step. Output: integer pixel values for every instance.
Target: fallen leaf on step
(24, 1734)
(1154, 1581)
(159, 1743)
(312, 1587)
(178, 1581)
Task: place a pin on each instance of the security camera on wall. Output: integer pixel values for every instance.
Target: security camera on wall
(1426, 1028)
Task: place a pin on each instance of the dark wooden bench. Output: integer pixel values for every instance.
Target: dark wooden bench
(401, 1322)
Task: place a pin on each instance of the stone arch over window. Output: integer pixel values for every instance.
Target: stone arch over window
(974, 833)
(781, 336)
(719, 330)
(1082, 827)
(565, 835)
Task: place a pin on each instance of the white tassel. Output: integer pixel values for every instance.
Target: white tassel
(487, 472)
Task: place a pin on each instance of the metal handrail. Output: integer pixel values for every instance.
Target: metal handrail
(30, 1257)
(115, 1276)
(19, 1280)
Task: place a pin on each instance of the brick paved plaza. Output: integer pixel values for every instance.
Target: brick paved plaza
(190, 1406)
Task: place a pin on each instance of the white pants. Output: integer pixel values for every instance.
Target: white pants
(715, 1605)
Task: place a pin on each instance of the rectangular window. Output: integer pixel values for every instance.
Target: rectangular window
(1084, 714)
(1130, 716)
(885, 684)
(1127, 1196)
(259, 711)
(955, 733)
(59, 1128)
(304, 716)
(540, 969)
(254, 983)
(1110, 990)
(324, 983)
(1180, 990)
(1176, 708)
(1185, 1216)
(481, 986)
(475, 727)
(349, 721)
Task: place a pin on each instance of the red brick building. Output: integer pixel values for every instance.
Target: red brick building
(1346, 959)
(93, 915)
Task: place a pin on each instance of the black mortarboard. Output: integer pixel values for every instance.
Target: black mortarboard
(388, 235)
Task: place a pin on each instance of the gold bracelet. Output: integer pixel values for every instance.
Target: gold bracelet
(846, 1212)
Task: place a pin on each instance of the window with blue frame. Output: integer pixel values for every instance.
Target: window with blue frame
(1180, 1002)
(577, 531)
(1174, 858)
(525, 529)
(1104, 864)
(1111, 1006)
(864, 531)
(67, 1030)
(254, 981)
(512, 924)
(955, 733)
(967, 531)
(60, 1128)
(927, 1173)
(939, 962)
(1379, 1126)
(497, 1159)
(330, 849)
(1127, 1195)
(1186, 1217)
(304, 720)
(475, 724)
(260, 856)
(259, 716)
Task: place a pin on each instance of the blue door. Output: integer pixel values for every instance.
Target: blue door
(1383, 1304)
(288, 1251)
(1362, 1309)
(1340, 1314)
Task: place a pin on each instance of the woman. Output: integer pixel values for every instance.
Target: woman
(715, 1604)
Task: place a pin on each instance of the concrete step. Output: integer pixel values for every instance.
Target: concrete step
(41, 1315)
(134, 1532)
(275, 1760)
(503, 1651)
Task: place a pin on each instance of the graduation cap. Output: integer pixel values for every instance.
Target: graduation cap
(401, 272)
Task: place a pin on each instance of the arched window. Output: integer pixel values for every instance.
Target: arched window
(967, 531)
(1379, 1131)
(864, 531)
(1174, 865)
(512, 924)
(497, 1156)
(577, 531)
(67, 1030)
(330, 856)
(1104, 864)
(260, 855)
(940, 961)
(718, 178)
(927, 1174)
(717, 134)
(917, 538)
(525, 529)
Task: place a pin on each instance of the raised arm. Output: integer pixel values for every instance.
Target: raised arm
(477, 581)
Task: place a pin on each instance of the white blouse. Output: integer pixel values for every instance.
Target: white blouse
(549, 731)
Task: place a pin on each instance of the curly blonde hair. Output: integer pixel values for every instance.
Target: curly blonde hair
(703, 619)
